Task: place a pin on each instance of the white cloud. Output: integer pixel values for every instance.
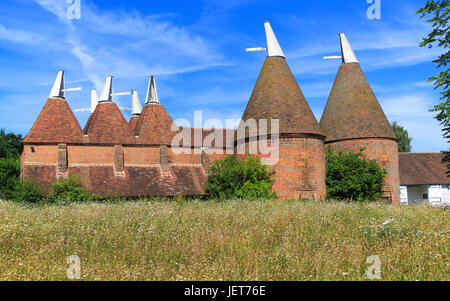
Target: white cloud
(129, 45)
(412, 112)
(19, 36)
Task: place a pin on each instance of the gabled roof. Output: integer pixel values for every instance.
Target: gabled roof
(422, 168)
(154, 126)
(107, 125)
(352, 110)
(277, 95)
(55, 124)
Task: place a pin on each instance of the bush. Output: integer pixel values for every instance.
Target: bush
(352, 176)
(9, 177)
(236, 178)
(70, 190)
(29, 192)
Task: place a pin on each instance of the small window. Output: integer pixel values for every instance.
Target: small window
(425, 196)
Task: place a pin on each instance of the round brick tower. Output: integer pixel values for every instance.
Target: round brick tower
(299, 169)
(353, 119)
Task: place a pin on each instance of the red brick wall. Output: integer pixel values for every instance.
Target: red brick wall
(300, 171)
(385, 151)
(108, 170)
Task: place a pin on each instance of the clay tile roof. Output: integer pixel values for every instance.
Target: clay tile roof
(212, 137)
(133, 121)
(56, 124)
(422, 168)
(154, 126)
(277, 95)
(107, 125)
(352, 110)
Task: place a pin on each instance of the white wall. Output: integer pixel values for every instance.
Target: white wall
(435, 195)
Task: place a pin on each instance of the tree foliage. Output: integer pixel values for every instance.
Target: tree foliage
(354, 177)
(404, 141)
(9, 177)
(236, 178)
(9, 144)
(438, 14)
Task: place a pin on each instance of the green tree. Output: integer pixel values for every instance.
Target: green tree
(9, 144)
(9, 177)
(404, 141)
(438, 14)
(235, 178)
(354, 177)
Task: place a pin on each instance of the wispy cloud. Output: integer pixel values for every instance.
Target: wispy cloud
(129, 44)
(412, 112)
(19, 36)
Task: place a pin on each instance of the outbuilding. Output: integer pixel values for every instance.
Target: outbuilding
(423, 179)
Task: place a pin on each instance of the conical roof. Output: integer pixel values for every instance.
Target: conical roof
(277, 95)
(55, 124)
(352, 110)
(133, 121)
(107, 124)
(155, 124)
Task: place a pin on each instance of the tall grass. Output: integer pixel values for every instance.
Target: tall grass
(161, 240)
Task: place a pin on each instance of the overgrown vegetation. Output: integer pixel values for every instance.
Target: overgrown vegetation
(354, 177)
(234, 178)
(71, 190)
(28, 192)
(238, 240)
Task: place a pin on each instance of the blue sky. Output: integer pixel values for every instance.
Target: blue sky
(196, 51)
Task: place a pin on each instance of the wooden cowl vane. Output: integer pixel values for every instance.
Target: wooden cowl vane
(56, 123)
(277, 95)
(154, 126)
(352, 110)
(107, 125)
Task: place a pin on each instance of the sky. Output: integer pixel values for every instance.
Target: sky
(196, 50)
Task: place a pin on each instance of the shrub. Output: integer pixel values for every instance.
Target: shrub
(236, 178)
(352, 176)
(70, 190)
(29, 192)
(9, 177)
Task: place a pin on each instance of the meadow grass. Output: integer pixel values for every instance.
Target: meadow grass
(235, 240)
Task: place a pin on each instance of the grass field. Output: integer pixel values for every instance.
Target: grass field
(162, 240)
